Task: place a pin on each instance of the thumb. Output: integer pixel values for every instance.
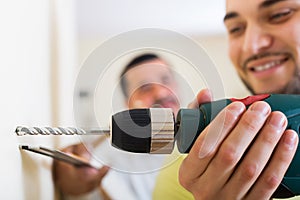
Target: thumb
(103, 171)
(204, 96)
(98, 175)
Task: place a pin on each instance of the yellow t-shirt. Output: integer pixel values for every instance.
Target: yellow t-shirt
(167, 186)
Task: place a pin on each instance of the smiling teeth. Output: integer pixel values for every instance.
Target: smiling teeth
(266, 66)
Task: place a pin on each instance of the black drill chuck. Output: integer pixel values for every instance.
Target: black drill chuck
(143, 130)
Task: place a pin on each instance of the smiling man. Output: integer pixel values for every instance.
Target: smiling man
(264, 46)
(146, 81)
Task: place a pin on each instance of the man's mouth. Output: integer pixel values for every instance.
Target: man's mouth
(267, 65)
(164, 103)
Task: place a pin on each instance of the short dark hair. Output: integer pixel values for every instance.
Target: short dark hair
(136, 61)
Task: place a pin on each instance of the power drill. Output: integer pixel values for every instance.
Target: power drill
(137, 130)
(155, 130)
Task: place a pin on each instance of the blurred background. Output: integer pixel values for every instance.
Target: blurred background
(43, 45)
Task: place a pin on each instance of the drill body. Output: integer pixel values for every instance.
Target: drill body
(191, 122)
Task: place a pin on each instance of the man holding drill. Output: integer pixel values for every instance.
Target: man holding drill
(255, 150)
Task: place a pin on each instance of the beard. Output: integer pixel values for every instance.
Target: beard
(293, 87)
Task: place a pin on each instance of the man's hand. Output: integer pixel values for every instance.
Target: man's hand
(242, 154)
(73, 180)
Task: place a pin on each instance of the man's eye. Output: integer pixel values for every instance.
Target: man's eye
(281, 16)
(235, 30)
(145, 87)
(166, 80)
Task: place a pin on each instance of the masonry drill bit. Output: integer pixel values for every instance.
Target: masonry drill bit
(22, 130)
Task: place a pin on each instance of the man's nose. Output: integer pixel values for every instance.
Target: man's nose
(161, 91)
(256, 39)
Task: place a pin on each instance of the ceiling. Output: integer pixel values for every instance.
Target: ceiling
(107, 17)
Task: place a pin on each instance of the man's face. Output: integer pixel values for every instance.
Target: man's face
(152, 84)
(264, 43)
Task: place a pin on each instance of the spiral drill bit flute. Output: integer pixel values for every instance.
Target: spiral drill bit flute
(154, 130)
(22, 130)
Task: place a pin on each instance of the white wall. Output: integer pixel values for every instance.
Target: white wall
(29, 67)
(25, 99)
